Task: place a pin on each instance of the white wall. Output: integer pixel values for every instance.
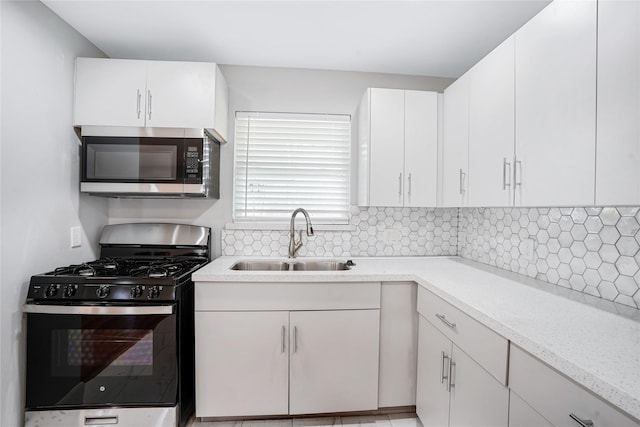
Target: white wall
(39, 170)
(276, 90)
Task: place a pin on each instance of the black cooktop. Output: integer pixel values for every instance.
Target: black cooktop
(112, 267)
(115, 280)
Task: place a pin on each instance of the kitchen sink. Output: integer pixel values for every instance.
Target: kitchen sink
(320, 266)
(265, 265)
(261, 266)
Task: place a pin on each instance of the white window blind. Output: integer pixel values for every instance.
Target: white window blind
(287, 161)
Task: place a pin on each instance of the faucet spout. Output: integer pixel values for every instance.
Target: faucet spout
(293, 245)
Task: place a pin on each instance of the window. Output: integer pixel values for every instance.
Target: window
(287, 161)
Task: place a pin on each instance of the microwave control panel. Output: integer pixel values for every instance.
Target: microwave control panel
(192, 162)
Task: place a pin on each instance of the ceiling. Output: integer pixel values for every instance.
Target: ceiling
(421, 37)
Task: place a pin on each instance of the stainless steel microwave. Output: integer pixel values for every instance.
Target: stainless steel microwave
(150, 166)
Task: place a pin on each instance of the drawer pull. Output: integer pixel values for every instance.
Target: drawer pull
(450, 382)
(442, 317)
(583, 423)
(443, 377)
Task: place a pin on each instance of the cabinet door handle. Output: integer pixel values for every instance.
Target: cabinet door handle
(149, 100)
(517, 172)
(506, 174)
(462, 175)
(295, 339)
(282, 338)
(443, 375)
(444, 320)
(409, 185)
(400, 188)
(139, 97)
(450, 383)
(583, 423)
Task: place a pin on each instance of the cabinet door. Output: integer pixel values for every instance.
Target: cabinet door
(455, 149)
(491, 128)
(432, 397)
(242, 363)
(477, 399)
(420, 148)
(180, 94)
(556, 106)
(523, 415)
(334, 361)
(618, 142)
(398, 345)
(387, 147)
(109, 92)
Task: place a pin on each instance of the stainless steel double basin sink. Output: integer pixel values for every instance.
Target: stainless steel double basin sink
(268, 265)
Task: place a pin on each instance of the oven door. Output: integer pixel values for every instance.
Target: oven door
(93, 356)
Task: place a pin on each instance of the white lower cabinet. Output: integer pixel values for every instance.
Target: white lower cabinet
(452, 388)
(274, 363)
(258, 362)
(333, 361)
(398, 344)
(462, 367)
(556, 398)
(242, 363)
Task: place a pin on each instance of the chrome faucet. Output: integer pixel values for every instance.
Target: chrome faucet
(293, 245)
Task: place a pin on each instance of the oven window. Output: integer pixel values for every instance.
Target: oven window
(115, 352)
(95, 360)
(132, 162)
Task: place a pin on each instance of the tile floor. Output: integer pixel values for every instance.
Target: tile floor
(391, 420)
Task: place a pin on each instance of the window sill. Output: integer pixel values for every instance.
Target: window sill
(270, 226)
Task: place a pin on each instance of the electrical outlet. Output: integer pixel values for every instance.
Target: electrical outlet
(527, 249)
(76, 237)
(391, 235)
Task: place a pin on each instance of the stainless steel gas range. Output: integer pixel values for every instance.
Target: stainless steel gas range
(111, 341)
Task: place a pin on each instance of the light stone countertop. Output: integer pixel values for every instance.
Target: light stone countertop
(593, 342)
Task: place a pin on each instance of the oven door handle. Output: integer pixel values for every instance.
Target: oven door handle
(98, 309)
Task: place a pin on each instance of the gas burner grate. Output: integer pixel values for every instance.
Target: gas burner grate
(124, 267)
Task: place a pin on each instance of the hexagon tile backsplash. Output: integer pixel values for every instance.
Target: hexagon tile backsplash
(418, 232)
(592, 250)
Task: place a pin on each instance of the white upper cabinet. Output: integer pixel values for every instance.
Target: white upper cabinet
(618, 140)
(110, 92)
(491, 128)
(117, 92)
(555, 106)
(420, 148)
(455, 150)
(382, 144)
(398, 143)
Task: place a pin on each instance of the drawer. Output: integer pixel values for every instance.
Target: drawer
(264, 296)
(488, 348)
(556, 397)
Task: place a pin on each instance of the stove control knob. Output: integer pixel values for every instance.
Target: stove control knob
(154, 292)
(103, 291)
(70, 290)
(51, 291)
(136, 291)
